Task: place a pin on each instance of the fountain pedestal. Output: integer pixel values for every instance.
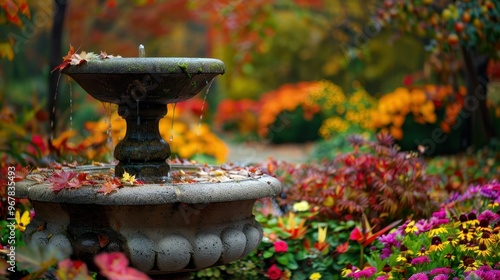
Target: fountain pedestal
(143, 152)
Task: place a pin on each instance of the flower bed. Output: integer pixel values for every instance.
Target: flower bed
(425, 116)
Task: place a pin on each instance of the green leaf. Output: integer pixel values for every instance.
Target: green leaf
(267, 254)
(283, 259)
(292, 264)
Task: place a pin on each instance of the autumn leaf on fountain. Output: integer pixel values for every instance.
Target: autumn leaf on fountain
(67, 180)
(110, 186)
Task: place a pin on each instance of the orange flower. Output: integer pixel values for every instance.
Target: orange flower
(322, 245)
(296, 231)
(364, 235)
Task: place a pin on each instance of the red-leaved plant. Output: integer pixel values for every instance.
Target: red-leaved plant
(375, 179)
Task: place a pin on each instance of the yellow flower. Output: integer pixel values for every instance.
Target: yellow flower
(328, 202)
(127, 179)
(315, 276)
(483, 251)
(301, 206)
(436, 247)
(22, 221)
(401, 258)
(437, 231)
(411, 228)
(418, 96)
(322, 234)
(469, 264)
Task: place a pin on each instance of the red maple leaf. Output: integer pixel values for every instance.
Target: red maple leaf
(66, 60)
(61, 180)
(110, 186)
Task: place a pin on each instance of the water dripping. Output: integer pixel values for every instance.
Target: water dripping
(70, 115)
(203, 105)
(52, 128)
(209, 84)
(70, 107)
(107, 112)
(172, 126)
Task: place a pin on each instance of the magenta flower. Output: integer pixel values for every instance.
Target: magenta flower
(488, 216)
(440, 214)
(441, 270)
(420, 260)
(440, 277)
(280, 246)
(419, 276)
(365, 273)
(385, 253)
(423, 226)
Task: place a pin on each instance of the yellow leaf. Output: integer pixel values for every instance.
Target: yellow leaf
(6, 51)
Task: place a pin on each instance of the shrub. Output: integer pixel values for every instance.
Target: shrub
(375, 179)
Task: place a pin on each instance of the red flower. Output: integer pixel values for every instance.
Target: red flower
(274, 273)
(280, 246)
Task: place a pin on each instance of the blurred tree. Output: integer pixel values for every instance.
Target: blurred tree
(462, 35)
(13, 15)
(267, 43)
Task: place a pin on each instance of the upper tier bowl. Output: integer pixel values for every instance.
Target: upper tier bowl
(158, 80)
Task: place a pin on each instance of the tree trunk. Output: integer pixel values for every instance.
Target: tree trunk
(479, 129)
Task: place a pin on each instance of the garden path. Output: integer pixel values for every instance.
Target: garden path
(255, 152)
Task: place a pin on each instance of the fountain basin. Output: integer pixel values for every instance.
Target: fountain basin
(163, 229)
(158, 80)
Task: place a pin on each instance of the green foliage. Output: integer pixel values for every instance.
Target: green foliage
(303, 254)
(328, 149)
(456, 173)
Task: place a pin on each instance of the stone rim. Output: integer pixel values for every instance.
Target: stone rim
(149, 65)
(152, 194)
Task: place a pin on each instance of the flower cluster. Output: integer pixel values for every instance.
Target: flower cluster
(353, 113)
(423, 103)
(309, 100)
(288, 98)
(239, 115)
(186, 136)
(447, 244)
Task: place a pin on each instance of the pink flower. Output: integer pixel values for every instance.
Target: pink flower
(420, 260)
(441, 270)
(365, 273)
(419, 276)
(114, 266)
(72, 270)
(280, 246)
(274, 273)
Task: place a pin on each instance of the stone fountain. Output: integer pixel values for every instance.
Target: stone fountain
(166, 229)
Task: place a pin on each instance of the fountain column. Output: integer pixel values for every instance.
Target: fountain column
(143, 152)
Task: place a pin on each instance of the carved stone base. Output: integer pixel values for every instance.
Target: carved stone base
(161, 228)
